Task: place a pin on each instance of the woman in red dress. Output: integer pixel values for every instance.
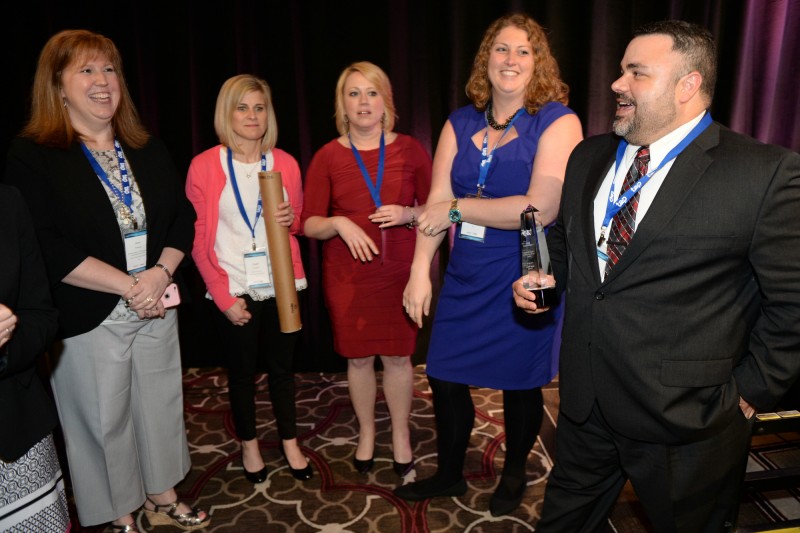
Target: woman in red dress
(363, 193)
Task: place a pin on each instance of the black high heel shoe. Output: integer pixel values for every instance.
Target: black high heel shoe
(300, 474)
(401, 469)
(255, 477)
(363, 466)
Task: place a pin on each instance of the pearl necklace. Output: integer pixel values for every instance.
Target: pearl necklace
(493, 124)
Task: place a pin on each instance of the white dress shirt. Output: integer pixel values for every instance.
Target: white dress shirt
(658, 151)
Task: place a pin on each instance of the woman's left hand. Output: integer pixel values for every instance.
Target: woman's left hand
(390, 215)
(145, 296)
(284, 216)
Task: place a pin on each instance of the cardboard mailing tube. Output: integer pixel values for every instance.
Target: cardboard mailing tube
(280, 253)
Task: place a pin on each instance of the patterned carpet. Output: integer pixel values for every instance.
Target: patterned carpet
(340, 500)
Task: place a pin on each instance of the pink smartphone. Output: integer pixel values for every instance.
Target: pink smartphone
(171, 296)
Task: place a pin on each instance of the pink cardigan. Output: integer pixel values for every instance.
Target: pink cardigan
(204, 186)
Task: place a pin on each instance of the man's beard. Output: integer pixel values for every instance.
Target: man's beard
(623, 126)
(646, 121)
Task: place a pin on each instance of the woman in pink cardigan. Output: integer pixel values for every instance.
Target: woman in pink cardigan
(231, 253)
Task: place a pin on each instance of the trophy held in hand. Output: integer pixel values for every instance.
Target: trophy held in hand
(536, 268)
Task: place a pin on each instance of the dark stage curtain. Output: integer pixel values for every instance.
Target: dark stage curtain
(178, 53)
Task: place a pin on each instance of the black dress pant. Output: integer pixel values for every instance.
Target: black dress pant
(688, 488)
(248, 347)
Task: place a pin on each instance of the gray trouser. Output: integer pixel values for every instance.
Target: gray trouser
(119, 395)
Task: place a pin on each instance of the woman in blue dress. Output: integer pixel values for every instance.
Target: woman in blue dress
(507, 150)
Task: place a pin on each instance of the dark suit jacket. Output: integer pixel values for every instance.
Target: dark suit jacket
(75, 220)
(27, 413)
(704, 305)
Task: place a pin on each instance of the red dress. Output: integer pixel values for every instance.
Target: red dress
(365, 301)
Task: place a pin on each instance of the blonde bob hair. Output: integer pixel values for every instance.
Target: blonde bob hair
(376, 77)
(230, 95)
(49, 123)
(545, 84)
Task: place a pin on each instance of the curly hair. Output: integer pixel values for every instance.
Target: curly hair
(49, 122)
(545, 84)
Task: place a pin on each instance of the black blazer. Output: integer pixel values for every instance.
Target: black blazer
(27, 414)
(704, 305)
(74, 219)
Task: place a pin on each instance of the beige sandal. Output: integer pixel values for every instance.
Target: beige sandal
(167, 515)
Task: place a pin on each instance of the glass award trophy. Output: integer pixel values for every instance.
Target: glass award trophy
(536, 268)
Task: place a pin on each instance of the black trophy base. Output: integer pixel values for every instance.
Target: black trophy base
(545, 297)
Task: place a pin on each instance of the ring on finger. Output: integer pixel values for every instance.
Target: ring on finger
(148, 299)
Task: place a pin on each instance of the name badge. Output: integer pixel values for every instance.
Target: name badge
(256, 268)
(602, 251)
(473, 232)
(136, 251)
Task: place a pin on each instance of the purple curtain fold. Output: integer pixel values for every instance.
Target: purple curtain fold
(766, 90)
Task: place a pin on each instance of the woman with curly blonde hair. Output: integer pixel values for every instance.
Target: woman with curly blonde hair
(485, 173)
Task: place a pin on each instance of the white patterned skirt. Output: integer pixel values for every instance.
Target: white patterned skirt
(32, 498)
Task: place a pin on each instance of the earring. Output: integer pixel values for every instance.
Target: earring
(383, 121)
(346, 125)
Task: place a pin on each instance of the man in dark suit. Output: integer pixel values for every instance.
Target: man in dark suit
(682, 300)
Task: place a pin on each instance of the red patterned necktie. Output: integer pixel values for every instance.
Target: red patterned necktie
(624, 222)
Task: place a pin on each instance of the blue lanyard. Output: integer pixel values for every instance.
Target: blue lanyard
(613, 206)
(125, 195)
(374, 189)
(238, 195)
(486, 156)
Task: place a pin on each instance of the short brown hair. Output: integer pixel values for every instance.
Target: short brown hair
(376, 76)
(230, 95)
(695, 44)
(49, 122)
(545, 85)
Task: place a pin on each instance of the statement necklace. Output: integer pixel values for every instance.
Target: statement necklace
(493, 124)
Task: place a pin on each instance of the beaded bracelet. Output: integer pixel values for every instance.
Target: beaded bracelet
(129, 301)
(413, 222)
(165, 269)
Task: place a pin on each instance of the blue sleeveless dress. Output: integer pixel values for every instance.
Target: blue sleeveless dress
(479, 335)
